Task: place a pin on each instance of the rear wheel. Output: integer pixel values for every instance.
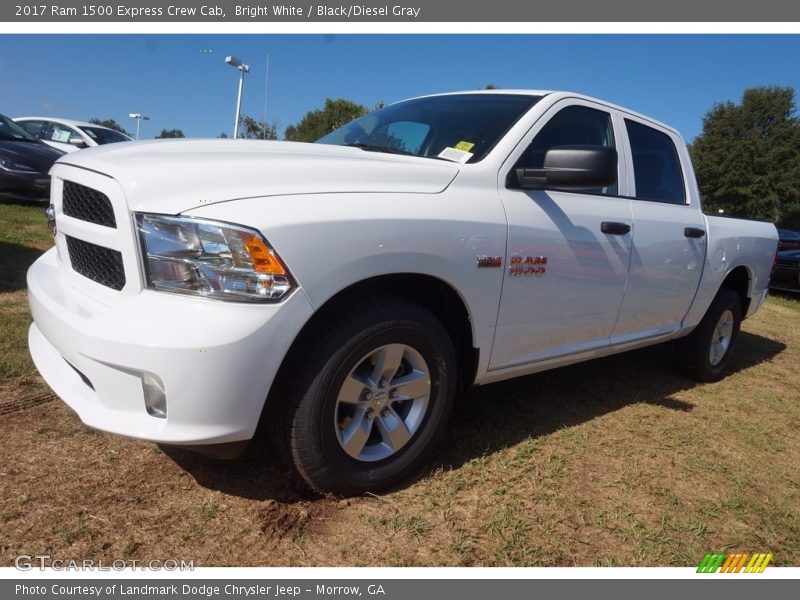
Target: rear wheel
(369, 398)
(704, 354)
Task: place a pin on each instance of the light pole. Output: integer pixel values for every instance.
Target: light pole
(243, 68)
(139, 117)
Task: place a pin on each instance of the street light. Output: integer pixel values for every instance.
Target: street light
(139, 117)
(243, 68)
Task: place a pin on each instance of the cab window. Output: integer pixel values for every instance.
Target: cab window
(656, 166)
(35, 128)
(571, 126)
(61, 133)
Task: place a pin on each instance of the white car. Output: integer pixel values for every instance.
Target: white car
(345, 292)
(69, 135)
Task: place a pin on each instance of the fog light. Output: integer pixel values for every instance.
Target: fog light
(155, 398)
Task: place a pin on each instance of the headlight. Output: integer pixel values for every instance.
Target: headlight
(9, 165)
(211, 259)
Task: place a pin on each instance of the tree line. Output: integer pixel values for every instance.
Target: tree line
(747, 158)
(310, 128)
(112, 124)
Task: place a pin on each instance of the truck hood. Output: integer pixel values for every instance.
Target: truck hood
(170, 176)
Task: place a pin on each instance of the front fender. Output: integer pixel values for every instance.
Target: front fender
(332, 241)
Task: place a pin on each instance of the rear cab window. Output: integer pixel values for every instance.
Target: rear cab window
(656, 166)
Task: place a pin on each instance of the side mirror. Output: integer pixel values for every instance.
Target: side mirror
(77, 140)
(572, 168)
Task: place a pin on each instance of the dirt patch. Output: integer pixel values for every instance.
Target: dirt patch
(26, 393)
(280, 519)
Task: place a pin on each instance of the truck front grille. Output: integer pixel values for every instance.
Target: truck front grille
(97, 263)
(86, 204)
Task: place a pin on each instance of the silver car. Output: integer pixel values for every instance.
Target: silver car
(69, 135)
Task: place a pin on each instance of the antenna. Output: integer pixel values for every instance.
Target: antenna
(266, 89)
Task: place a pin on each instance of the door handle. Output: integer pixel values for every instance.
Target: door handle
(614, 228)
(693, 232)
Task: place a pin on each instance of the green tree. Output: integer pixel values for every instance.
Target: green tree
(111, 124)
(317, 123)
(747, 159)
(252, 129)
(170, 133)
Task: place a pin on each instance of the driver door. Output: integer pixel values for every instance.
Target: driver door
(568, 252)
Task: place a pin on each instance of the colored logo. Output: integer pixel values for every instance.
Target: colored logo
(527, 266)
(483, 261)
(734, 563)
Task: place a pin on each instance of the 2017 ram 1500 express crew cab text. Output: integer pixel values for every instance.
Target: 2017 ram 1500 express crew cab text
(344, 292)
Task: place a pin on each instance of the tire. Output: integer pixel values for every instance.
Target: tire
(367, 397)
(704, 354)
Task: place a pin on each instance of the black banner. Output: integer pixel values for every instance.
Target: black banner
(437, 11)
(394, 589)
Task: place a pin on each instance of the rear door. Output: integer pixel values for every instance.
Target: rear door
(564, 276)
(669, 238)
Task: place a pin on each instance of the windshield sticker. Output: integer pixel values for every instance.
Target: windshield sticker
(60, 135)
(464, 146)
(456, 155)
(90, 133)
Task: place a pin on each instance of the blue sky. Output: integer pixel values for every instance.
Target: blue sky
(181, 81)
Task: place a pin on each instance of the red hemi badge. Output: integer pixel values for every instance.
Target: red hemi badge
(484, 261)
(527, 266)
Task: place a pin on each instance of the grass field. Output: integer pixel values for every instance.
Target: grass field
(615, 462)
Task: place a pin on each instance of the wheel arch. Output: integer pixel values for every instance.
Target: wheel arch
(739, 280)
(435, 294)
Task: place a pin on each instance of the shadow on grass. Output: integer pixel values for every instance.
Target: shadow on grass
(258, 474)
(500, 415)
(496, 416)
(14, 262)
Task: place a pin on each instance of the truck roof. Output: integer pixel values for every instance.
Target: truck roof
(558, 95)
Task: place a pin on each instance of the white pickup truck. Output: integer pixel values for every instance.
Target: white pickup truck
(345, 292)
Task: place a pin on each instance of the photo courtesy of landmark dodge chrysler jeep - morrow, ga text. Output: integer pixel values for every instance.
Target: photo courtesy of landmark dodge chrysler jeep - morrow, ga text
(343, 293)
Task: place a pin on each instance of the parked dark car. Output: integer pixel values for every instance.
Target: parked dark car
(788, 240)
(24, 164)
(786, 272)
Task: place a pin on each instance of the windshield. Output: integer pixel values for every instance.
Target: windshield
(11, 131)
(101, 135)
(459, 127)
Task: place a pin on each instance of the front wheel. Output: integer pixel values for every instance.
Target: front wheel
(704, 354)
(369, 398)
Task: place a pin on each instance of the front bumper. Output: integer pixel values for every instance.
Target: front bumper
(216, 360)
